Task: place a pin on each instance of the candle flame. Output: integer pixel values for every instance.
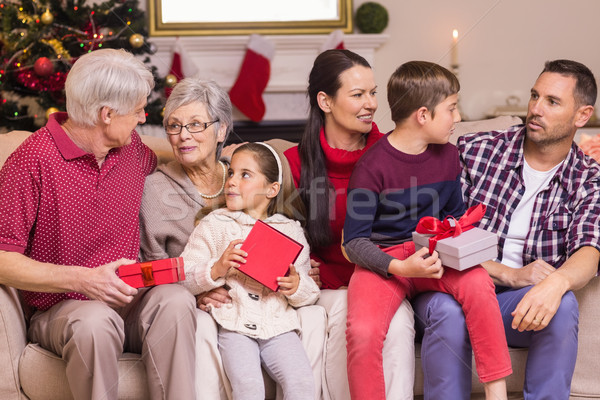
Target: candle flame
(455, 34)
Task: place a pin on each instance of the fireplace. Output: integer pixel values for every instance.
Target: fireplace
(219, 58)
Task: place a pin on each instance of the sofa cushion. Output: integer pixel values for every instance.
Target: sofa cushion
(514, 382)
(585, 378)
(484, 125)
(43, 376)
(12, 342)
(11, 140)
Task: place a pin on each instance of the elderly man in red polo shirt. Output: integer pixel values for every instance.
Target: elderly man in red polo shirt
(70, 201)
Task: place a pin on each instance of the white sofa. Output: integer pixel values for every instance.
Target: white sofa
(28, 371)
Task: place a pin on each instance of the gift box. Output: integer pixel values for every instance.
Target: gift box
(466, 250)
(151, 273)
(270, 254)
(458, 243)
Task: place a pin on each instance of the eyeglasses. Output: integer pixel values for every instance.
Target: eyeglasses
(192, 127)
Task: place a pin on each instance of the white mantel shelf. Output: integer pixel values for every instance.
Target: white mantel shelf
(219, 58)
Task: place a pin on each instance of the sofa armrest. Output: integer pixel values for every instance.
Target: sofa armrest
(13, 339)
(585, 380)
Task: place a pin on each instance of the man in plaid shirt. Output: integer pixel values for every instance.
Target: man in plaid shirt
(543, 200)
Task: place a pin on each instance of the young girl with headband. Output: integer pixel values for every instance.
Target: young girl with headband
(260, 326)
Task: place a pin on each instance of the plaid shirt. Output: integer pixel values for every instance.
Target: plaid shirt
(566, 214)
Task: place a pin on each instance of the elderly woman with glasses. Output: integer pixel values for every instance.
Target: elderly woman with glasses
(197, 120)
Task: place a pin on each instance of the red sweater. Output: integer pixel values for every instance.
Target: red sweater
(335, 269)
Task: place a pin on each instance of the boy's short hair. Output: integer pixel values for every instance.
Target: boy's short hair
(417, 84)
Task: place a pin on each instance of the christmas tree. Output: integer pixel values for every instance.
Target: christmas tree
(41, 39)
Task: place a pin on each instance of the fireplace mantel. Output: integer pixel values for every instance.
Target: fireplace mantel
(219, 58)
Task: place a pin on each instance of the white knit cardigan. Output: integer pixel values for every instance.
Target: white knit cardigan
(255, 311)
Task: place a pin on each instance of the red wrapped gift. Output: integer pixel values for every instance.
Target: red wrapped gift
(151, 273)
(458, 243)
(270, 254)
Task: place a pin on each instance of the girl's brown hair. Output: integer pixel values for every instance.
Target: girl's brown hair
(287, 201)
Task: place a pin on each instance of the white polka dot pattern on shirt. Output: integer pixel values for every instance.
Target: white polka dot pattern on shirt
(59, 207)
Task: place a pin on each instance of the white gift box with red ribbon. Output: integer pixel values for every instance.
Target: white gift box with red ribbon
(464, 251)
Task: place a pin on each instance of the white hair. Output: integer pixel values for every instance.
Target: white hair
(106, 78)
(207, 92)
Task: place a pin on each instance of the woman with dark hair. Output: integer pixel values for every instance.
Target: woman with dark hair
(339, 129)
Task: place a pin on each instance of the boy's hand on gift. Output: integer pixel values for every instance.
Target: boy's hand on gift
(103, 284)
(232, 257)
(289, 284)
(418, 265)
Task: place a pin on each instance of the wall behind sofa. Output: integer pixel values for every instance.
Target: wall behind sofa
(503, 44)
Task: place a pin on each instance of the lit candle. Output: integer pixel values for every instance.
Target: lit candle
(454, 49)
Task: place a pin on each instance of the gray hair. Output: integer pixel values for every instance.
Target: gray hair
(106, 78)
(209, 93)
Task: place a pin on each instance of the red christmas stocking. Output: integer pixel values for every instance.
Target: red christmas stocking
(246, 93)
(181, 66)
(175, 71)
(335, 40)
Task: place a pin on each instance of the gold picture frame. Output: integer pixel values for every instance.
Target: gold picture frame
(203, 17)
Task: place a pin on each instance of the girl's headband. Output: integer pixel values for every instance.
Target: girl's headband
(279, 168)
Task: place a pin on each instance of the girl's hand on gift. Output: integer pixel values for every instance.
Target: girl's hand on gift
(418, 265)
(232, 258)
(289, 284)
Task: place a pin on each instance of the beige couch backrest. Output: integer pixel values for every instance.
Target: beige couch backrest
(161, 146)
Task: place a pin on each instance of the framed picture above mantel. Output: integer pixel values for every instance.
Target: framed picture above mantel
(243, 17)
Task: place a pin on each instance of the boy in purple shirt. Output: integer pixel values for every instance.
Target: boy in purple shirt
(411, 173)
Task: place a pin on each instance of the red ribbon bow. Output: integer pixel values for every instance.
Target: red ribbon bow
(449, 226)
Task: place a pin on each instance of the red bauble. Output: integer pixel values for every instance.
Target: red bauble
(43, 66)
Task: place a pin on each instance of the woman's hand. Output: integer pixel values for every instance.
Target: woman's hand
(232, 257)
(315, 272)
(289, 284)
(216, 298)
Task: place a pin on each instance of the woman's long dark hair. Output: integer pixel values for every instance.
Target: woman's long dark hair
(315, 187)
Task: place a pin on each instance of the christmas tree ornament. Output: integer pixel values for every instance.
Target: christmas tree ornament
(136, 40)
(25, 18)
(181, 65)
(47, 17)
(58, 48)
(43, 66)
(170, 80)
(51, 110)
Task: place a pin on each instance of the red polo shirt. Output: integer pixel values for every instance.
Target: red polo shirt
(58, 206)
